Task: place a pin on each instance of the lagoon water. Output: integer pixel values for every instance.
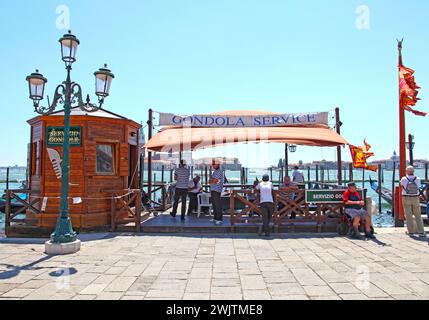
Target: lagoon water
(383, 220)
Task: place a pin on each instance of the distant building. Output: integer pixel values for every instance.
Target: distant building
(230, 164)
(393, 162)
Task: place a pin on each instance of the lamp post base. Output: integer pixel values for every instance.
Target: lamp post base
(55, 249)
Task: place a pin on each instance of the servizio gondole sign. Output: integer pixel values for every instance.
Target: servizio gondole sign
(237, 121)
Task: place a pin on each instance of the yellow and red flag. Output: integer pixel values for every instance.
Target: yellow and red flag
(408, 90)
(360, 156)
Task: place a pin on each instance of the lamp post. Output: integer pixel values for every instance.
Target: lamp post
(292, 149)
(68, 94)
(410, 146)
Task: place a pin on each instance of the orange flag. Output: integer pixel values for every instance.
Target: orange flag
(408, 90)
(360, 156)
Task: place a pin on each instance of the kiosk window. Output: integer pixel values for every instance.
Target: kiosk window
(105, 159)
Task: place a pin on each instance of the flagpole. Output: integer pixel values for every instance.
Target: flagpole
(399, 216)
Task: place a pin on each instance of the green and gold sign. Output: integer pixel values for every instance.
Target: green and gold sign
(55, 136)
(327, 196)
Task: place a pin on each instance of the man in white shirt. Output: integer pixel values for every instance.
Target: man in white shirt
(194, 189)
(298, 177)
(410, 185)
(266, 205)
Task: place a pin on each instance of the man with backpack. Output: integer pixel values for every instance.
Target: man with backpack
(411, 201)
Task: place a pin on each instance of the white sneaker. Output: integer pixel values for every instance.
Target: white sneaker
(218, 223)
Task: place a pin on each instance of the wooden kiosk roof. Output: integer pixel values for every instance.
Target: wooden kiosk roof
(178, 139)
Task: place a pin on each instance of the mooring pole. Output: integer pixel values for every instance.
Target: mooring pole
(351, 178)
(317, 173)
(149, 156)
(338, 125)
(380, 188)
(393, 186)
(363, 178)
(400, 216)
(7, 178)
(426, 171)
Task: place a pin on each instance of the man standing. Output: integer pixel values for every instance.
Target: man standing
(194, 189)
(411, 201)
(181, 175)
(298, 177)
(216, 187)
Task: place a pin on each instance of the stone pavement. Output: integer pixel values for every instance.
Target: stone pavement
(224, 267)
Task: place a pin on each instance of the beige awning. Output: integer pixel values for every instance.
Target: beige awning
(176, 139)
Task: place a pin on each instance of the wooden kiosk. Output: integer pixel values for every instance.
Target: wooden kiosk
(104, 155)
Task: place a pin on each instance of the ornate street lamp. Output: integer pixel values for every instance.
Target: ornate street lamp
(410, 146)
(292, 148)
(68, 94)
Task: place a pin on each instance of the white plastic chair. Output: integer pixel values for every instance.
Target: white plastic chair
(204, 202)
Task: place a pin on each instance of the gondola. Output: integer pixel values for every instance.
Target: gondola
(385, 193)
(14, 204)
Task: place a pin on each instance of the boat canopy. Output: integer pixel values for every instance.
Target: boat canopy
(189, 138)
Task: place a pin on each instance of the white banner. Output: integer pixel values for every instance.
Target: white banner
(237, 121)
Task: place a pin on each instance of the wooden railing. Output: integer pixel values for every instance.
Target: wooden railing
(166, 197)
(243, 215)
(126, 207)
(27, 205)
(286, 208)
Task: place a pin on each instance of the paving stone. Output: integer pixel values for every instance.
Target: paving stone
(318, 291)
(341, 288)
(256, 295)
(17, 293)
(120, 284)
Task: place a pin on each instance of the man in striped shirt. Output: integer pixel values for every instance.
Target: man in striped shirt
(216, 187)
(181, 175)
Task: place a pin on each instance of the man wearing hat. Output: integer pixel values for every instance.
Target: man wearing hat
(181, 175)
(355, 209)
(216, 188)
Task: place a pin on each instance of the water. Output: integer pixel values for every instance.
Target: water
(383, 220)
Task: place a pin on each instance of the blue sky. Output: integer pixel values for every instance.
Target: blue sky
(188, 56)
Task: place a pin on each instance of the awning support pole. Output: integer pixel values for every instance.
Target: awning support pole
(149, 156)
(339, 160)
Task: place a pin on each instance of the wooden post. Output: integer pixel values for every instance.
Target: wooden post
(142, 169)
(426, 171)
(351, 172)
(113, 213)
(402, 147)
(317, 173)
(309, 177)
(271, 174)
(393, 186)
(138, 211)
(206, 176)
(247, 176)
(329, 180)
(149, 156)
(7, 211)
(171, 175)
(345, 174)
(339, 160)
(380, 184)
(7, 178)
(322, 174)
(286, 159)
(363, 178)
